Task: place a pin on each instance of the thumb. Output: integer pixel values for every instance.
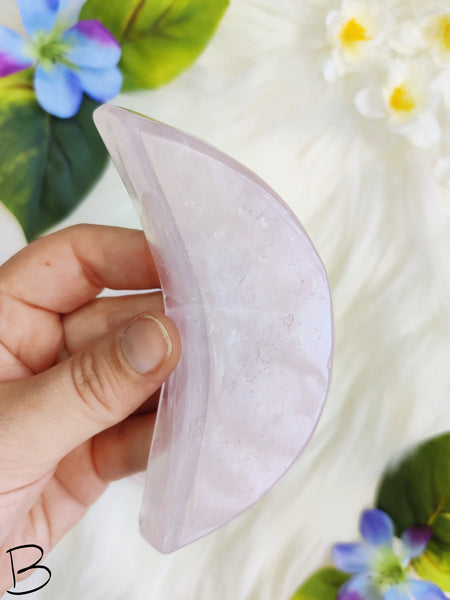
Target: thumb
(44, 417)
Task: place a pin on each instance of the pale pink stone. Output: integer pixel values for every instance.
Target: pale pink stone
(249, 294)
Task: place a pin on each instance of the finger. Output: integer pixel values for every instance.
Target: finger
(83, 475)
(97, 318)
(64, 270)
(44, 417)
(150, 405)
(123, 449)
(112, 454)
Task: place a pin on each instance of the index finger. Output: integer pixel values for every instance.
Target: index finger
(64, 270)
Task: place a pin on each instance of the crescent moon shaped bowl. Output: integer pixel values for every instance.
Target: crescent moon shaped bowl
(250, 297)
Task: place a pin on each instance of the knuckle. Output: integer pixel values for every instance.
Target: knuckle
(96, 383)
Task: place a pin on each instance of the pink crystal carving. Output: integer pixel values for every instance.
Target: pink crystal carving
(249, 294)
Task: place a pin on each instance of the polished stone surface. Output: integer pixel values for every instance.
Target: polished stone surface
(249, 294)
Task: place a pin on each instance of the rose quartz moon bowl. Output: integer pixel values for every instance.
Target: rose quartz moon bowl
(250, 296)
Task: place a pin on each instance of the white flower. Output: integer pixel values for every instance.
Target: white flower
(407, 101)
(441, 83)
(428, 32)
(436, 33)
(354, 33)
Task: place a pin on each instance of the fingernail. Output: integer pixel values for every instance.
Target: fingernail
(146, 344)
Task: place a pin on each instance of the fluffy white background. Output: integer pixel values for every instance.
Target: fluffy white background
(380, 221)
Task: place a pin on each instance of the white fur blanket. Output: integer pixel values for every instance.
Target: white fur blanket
(379, 218)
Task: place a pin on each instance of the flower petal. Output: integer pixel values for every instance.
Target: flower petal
(351, 558)
(397, 592)
(370, 103)
(329, 71)
(12, 58)
(101, 84)
(38, 15)
(359, 587)
(415, 540)
(69, 11)
(442, 170)
(58, 90)
(424, 132)
(376, 527)
(93, 45)
(425, 590)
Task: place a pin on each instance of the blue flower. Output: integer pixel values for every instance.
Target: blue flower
(380, 573)
(81, 59)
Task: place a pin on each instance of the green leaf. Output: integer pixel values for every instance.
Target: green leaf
(159, 38)
(48, 164)
(416, 490)
(322, 585)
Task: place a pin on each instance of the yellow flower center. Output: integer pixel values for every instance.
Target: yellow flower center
(352, 33)
(438, 31)
(401, 100)
(444, 31)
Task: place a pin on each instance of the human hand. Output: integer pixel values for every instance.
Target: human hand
(77, 375)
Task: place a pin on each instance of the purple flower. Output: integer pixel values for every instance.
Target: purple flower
(380, 573)
(81, 59)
